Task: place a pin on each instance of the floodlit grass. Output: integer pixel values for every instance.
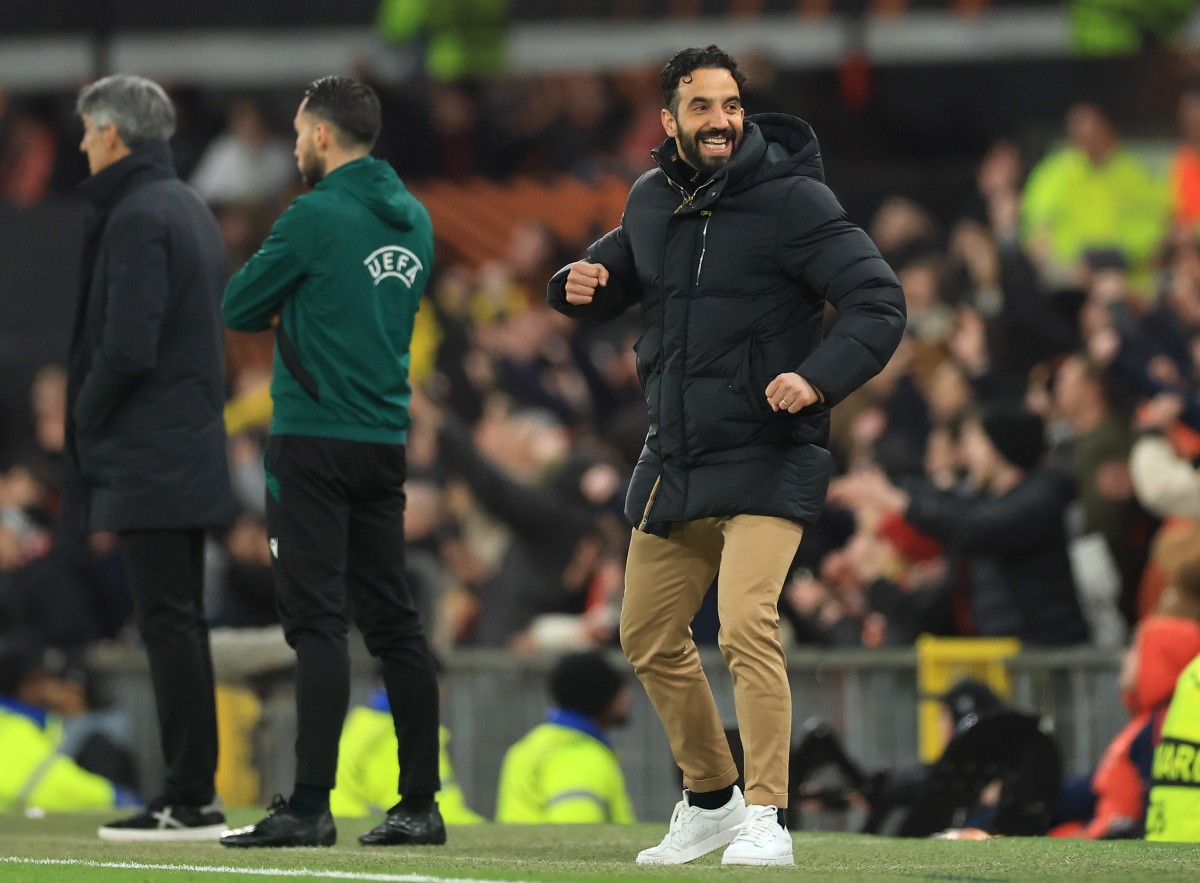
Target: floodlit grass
(584, 853)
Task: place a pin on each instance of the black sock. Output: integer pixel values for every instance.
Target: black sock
(309, 800)
(416, 802)
(782, 818)
(710, 799)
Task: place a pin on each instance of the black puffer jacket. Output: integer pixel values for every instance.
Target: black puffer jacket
(733, 272)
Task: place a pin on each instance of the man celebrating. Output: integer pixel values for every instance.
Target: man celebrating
(343, 271)
(733, 246)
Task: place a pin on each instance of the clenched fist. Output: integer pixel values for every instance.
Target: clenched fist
(582, 281)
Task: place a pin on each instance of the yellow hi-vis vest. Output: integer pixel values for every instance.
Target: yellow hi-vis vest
(559, 774)
(1174, 811)
(34, 774)
(368, 770)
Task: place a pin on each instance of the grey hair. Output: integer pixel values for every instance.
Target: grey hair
(138, 107)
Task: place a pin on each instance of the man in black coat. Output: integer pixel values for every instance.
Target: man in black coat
(145, 429)
(733, 246)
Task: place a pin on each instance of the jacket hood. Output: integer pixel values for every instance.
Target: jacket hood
(374, 183)
(774, 145)
(791, 147)
(1164, 645)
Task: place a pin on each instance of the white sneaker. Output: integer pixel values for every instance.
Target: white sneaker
(761, 840)
(695, 832)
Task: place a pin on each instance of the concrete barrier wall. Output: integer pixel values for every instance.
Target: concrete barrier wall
(491, 699)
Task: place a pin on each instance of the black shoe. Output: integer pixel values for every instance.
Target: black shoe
(164, 821)
(403, 826)
(283, 827)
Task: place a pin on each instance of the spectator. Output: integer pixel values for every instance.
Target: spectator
(245, 164)
(556, 542)
(1165, 481)
(449, 41)
(28, 149)
(1007, 540)
(1092, 194)
(565, 770)
(1097, 451)
(1185, 164)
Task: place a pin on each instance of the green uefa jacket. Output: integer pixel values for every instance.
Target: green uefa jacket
(562, 773)
(344, 268)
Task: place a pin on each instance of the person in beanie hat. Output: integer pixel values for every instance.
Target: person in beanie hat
(1017, 434)
(1008, 573)
(564, 770)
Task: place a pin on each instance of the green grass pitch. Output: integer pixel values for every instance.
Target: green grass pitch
(65, 849)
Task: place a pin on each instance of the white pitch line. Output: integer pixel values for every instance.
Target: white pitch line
(258, 872)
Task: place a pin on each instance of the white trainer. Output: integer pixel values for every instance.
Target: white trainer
(695, 832)
(761, 840)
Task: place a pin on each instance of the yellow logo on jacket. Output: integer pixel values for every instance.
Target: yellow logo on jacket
(394, 261)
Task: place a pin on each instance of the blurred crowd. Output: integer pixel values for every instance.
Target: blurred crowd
(1024, 466)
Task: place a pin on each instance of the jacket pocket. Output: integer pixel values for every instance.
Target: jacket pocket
(753, 380)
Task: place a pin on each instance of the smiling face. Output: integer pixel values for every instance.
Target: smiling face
(707, 119)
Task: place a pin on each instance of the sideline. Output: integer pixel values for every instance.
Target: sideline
(257, 872)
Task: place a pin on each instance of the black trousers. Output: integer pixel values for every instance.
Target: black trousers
(335, 518)
(166, 575)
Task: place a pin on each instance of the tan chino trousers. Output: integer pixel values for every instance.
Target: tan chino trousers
(665, 583)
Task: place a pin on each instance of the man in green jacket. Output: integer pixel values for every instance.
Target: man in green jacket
(564, 770)
(341, 277)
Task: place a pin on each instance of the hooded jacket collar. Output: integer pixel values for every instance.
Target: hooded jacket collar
(149, 161)
(774, 145)
(374, 183)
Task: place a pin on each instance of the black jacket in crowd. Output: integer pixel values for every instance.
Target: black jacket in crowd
(1012, 550)
(145, 393)
(549, 528)
(733, 272)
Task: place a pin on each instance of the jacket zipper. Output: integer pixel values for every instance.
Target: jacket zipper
(687, 197)
(649, 503)
(703, 245)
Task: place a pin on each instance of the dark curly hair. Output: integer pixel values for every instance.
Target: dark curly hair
(352, 108)
(683, 62)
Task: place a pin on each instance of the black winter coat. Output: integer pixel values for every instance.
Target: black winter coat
(145, 391)
(1014, 550)
(733, 273)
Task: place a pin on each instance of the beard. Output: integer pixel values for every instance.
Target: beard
(312, 168)
(689, 148)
